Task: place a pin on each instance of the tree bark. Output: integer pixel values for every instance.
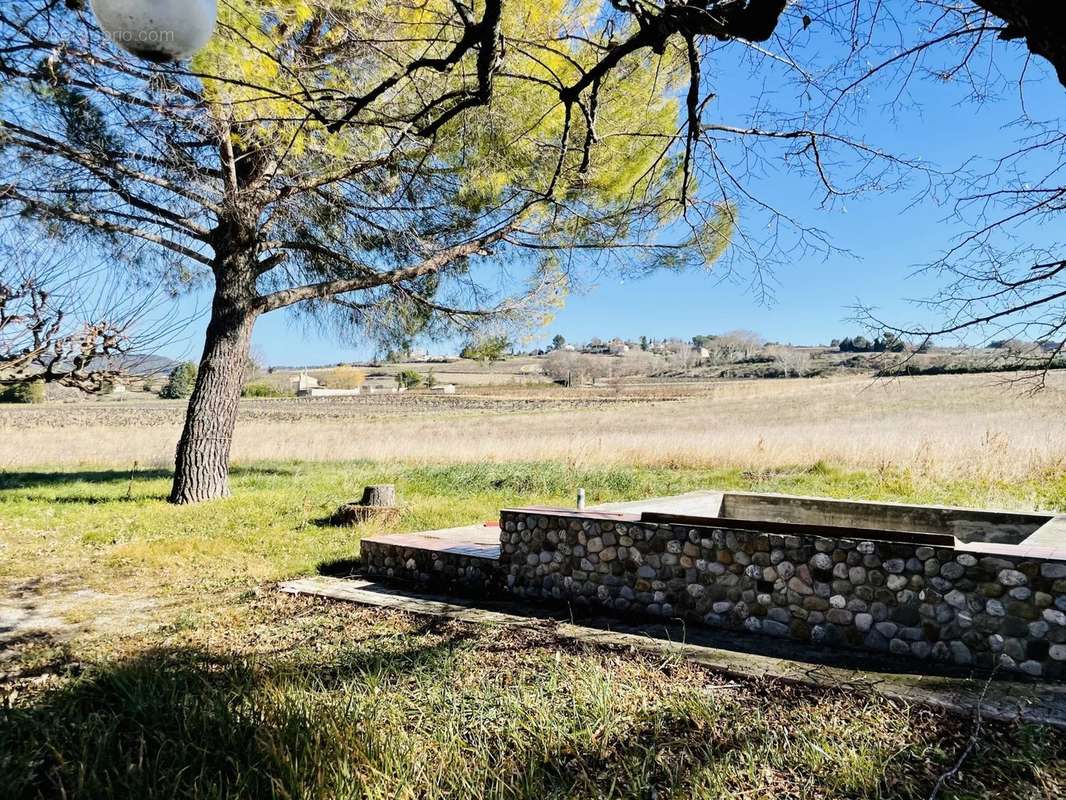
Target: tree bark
(201, 470)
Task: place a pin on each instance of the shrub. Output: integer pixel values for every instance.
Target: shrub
(180, 384)
(345, 377)
(29, 392)
(888, 342)
(408, 379)
(261, 389)
(491, 349)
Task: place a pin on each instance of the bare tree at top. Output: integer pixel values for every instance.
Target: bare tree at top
(69, 320)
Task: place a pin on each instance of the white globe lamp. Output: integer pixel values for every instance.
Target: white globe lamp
(158, 30)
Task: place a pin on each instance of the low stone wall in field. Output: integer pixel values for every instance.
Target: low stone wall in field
(437, 569)
(973, 604)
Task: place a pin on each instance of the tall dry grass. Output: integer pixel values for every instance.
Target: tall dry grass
(948, 426)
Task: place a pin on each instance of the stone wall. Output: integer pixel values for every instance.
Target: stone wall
(977, 604)
(437, 569)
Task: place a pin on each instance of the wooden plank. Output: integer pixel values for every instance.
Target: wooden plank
(490, 552)
(474, 541)
(1026, 701)
(800, 529)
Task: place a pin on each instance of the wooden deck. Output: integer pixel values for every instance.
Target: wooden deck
(472, 541)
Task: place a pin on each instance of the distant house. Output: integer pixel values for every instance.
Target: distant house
(616, 347)
(305, 383)
(322, 391)
(306, 386)
(379, 387)
(444, 388)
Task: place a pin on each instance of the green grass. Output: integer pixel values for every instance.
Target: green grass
(231, 690)
(108, 527)
(338, 702)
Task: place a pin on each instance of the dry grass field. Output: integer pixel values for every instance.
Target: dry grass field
(965, 427)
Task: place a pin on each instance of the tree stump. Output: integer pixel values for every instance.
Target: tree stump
(383, 495)
(378, 503)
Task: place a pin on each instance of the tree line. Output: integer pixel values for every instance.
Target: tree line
(887, 342)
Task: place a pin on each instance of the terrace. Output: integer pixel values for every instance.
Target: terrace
(937, 584)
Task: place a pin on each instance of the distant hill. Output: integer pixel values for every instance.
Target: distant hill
(143, 365)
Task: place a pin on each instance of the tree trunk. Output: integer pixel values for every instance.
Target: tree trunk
(202, 466)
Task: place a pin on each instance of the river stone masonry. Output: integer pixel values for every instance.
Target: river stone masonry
(932, 583)
(974, 604)
(463, 560)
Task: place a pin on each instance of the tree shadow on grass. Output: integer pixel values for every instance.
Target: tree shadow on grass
(334, 520)
(45, 480)
(340, 567)
(42, 479)
(183, 723)
(180, 722)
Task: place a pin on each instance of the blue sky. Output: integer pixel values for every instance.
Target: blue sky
(887, 235)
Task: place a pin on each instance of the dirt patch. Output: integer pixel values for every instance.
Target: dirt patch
(48, 610)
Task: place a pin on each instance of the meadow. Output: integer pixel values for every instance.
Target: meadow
(973, 426)
(144, 651)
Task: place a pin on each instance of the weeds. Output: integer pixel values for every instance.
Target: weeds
(428, 710)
